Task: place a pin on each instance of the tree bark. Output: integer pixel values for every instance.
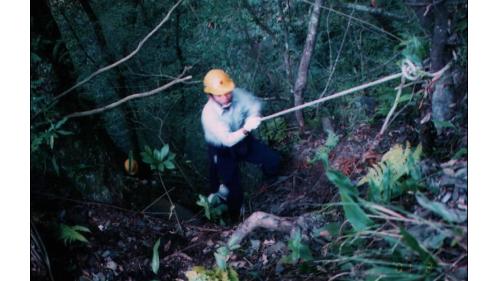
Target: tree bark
(433, 17)
(301, 81)
(443, 94)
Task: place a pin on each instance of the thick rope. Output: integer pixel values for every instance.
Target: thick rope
(408, 70)
(340, 94)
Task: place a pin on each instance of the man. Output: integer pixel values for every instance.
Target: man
(228, 117)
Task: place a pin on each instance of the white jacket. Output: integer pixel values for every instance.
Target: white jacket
(221, 126)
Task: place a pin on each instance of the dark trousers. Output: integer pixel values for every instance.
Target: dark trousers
(224, 167)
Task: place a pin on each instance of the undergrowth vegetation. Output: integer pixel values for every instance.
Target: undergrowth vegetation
(384, 208)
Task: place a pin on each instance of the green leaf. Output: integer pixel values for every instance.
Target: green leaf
(342, 182)
(299, 251)
(441, 209)
(164, 151)
(413, 244)
(146, 158)
(389, 178)
(60, 123)
(405, 97)
(155, 261)
(390, 274)
(71, 234)
(203, 202)
(353, 212)
(81, 228)
(156, 154)
(221, 256)
(169, 165)
(64, 132)
(233, 275)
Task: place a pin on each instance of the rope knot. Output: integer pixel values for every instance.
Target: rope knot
(410, 70)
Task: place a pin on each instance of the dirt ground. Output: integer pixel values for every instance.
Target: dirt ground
(121, 241)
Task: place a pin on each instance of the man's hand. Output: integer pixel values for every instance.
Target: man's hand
(252, 123)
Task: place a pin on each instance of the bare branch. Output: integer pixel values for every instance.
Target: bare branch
(127, 98)
(139, 46)
(370, 10)
(394, 105)
(372, 26)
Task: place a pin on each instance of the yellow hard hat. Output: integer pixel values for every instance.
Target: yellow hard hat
(217, 82)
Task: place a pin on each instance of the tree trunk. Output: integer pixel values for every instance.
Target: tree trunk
(301, 81)
(434, 19)
(443, 95)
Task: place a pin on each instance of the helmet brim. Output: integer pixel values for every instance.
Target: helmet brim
(221, 90)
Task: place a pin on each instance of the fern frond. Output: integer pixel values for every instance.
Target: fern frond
(71, 234)
(384, 178)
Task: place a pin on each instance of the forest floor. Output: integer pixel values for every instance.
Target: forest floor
(121, 242)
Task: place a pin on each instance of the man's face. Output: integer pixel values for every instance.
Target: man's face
(224, 100)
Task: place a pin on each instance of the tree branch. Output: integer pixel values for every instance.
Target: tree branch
(360, 21)
(127, 98)
(301, 81)
(370, 10)
(139, 46)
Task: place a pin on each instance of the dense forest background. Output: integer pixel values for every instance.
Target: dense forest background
(392, 202)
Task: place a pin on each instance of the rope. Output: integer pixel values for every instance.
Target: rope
(409, 71)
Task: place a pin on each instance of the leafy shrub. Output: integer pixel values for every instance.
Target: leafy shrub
(49, 136)
(212, 206)
(274, 131)
(159, 159)
(389, 178)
